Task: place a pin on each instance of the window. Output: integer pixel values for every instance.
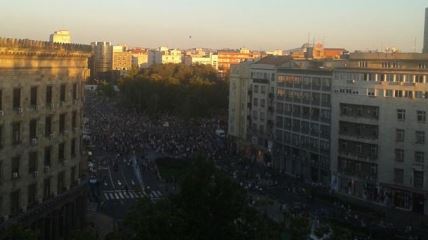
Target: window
(262, 103)
(75, 91)
(62, 93)
(62, 123)
(73, 174)
(49, 95)
(73, 147)
(15, 166)
(32, 162)
(48, 126)
(419, 157)
(33, 97)
(1, 136)
(388, 93)
(256, 88)
(398, 93)
(399, 155)
(263, 89)
(48, 156)
(420, 137)
(1, 99)
(14, 202)
(399, 135)
(47, 188)
(401, 114)
(33, 130)
(61, 152)
(16, 98)
(61, 183)
(421, 115)
(418, 177)
(32, 193)
(256, 102)
(16, 133)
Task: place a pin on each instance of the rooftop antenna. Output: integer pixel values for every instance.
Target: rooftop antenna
(414, 49)
(309, 37)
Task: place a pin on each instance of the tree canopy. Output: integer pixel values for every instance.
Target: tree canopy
(209, 206)
(188, 91)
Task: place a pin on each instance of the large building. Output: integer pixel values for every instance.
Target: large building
(315, 51)
(102, 59)
(208, 59)
(425, 49)
(121, 59)
(379, 129)
(164, 55)
(357, 125)
(140, 58)
(227, 58)
(42, 171)
(62, 36)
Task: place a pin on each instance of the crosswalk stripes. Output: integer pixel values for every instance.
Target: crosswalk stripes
(121, 194)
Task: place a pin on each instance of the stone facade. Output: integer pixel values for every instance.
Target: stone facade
(41, 165)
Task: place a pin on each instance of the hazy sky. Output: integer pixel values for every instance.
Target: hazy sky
(256, 24)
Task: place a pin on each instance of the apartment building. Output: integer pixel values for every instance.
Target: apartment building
(42, 171)
(61, 36)
(164, 55)
(208, 59)
(379, 129)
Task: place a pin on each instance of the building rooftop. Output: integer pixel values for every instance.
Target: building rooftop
(388, 56)
(274, 60)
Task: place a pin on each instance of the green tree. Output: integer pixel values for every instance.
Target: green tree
(209, 206)
(18, 232)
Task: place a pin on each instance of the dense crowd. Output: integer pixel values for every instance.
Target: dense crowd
(122, 132)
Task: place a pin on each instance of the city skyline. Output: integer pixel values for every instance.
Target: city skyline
(189, 23)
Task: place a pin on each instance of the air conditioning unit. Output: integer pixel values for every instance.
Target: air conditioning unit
(34, 141)
(20, 110)
(15, 175)
(1, 113)
(35, 173)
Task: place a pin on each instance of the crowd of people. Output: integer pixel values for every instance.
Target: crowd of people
(125, 131)
(121, 132)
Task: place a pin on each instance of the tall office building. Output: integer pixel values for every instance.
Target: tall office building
(62, 36)
(425, 50)
(42, 170)
(102, 59)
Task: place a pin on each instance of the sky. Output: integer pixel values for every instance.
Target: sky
(255, 24)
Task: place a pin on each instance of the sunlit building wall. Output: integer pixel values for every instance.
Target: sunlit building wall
(62, 36)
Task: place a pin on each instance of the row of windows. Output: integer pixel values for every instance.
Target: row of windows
(314, 83)
(34, 95)
(420, 115)
(32, 194)
(418, 177)
(309, 98)
(303, 141)
(33, 127)
(418, 156)
(304, 112)
(382, 77)
(304, 127)
(33, 166)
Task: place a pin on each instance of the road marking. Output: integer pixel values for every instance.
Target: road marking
(119, 183)
(111, 196)
(131, 195)
(106, 196)
(132, 182)
(120, 194)
(116, 195)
